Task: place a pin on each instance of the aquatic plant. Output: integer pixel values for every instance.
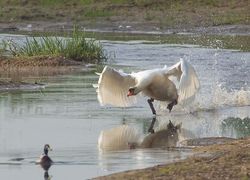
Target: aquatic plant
(240, 126)
(75, 47)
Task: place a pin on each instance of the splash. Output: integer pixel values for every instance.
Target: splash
(217, 97)
(222, 97)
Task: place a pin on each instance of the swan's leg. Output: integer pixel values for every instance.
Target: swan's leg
(151, 128)
(171, 105)
(150, 102)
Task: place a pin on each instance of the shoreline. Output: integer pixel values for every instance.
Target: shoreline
(122, 27)
(228, 161)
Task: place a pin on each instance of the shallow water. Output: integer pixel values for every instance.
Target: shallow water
(66, 114)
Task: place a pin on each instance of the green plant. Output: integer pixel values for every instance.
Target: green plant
(75, 47)
(241, 126)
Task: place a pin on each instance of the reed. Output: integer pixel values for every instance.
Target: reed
(75, 47)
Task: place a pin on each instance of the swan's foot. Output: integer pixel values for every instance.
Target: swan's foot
(150, 102)
(171, 105)
(151, 128)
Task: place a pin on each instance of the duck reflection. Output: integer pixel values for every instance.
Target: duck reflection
(47, 176)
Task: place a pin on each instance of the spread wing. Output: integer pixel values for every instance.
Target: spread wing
(113, 86)
(188, 80)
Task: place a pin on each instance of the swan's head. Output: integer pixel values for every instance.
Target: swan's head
(47, 149)
(132, 145)
(174, 129)
(132, 91)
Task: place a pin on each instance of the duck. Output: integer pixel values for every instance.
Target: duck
(178, 83)
(45, 161)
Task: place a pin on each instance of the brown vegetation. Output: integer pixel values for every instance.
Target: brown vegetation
(17, 67)
(40, 61)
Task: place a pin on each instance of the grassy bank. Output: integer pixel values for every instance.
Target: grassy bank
(161, 13)
(73, 47)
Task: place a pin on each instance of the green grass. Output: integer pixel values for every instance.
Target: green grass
(97, 13)
(166, 13)
(75, 47)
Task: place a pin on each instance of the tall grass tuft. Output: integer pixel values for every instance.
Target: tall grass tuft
(75, 47)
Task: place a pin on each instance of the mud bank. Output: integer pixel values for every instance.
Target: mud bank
(39, 65)
(221, 161)
(121, 27)
(13, 86)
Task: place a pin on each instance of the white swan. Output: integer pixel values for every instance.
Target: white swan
(119, 89)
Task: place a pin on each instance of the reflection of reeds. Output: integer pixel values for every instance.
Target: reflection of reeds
(76, 47)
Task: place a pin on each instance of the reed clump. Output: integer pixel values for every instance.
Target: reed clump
(74, 47)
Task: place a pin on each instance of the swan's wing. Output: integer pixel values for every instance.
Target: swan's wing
(113, 87)
(187, 77)
(118, 138)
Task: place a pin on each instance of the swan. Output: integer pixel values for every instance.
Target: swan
(44, 160)
(120, 89)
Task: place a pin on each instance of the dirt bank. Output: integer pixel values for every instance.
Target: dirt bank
(140, 16)
(41, 61)
(12, 86)
(121, 27)
(223, 161)
(16, 68)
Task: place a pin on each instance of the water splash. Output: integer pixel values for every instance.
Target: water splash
(219, 97)
(224, 97)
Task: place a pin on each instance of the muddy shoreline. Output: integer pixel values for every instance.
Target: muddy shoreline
(121, 27)
(14, 86)
(221, 161)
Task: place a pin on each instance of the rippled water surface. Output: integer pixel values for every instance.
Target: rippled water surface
(67, 115)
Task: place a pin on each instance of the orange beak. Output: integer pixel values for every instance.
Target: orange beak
(129, 94)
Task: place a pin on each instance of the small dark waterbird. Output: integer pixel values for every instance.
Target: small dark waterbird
(44, 160)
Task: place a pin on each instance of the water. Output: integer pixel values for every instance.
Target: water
(66, 114)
